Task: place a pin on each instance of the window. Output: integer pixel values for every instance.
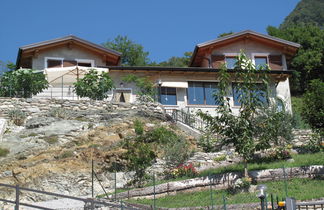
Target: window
(230, 62)
(280, 105)
(258, 91)
(85, 62)
(202, 93)
(261, 62)
(54, 63)
(168, 96)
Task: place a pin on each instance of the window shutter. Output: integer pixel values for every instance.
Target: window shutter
(217, 61)
(275, 62)
(68, 63)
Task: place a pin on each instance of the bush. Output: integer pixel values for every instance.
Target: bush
(184, 171)
(176, 153)
(208, 142)
(51, 139)
(161, 135)
(3, 152)
(140, 156)
(313, 105)
(60, 113)
(220, 158)
(17, 116)
(240, 185)
(315, 144)
(66, 154)
(297, 121)
(94, 85)
(139, 127)
(22, 83)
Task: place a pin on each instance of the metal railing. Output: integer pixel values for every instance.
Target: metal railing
(18, 190)
(310, 205)
(186, 118)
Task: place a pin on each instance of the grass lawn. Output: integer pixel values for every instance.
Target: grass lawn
(301, 189)
(299, 160)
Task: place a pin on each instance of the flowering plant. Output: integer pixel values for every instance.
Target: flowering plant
(184, 170)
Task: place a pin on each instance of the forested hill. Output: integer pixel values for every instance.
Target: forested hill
(306, 11)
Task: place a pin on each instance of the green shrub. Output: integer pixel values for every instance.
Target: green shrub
(220, 158)
(66, 154)
(315, 144)
(139, 127)
(139, 156)
(313, 105)
(22, 83)
(176, 153)
(161, 135)
(51, 139)
(3, 152)
(208, 142)
(94, 85)
(17, 116)
(297, 121)
(60, 113)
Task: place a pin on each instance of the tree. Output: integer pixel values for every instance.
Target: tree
(306, 11)
(4, 67)
(94, 85)
(224, 34)
(147, 92)
(309, 61)
(178, 61)
(22, 83)
(313, 105)
(253, 129)
(132, 54)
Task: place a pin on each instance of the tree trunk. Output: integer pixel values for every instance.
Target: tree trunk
(246, 174)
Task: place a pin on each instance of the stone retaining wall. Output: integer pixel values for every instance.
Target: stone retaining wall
(33, 106)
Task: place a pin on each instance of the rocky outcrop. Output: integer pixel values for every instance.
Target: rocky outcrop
(3, 126)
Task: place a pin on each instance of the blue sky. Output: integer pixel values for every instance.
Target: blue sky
(165, 28)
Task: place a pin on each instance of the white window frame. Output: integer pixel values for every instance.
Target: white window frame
(53, 58)
(230, 55)
(85, 61)
(253, 55)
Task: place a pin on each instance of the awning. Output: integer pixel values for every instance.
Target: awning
(69, 74)
(175, 84)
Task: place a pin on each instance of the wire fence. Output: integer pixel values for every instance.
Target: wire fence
(209, 196)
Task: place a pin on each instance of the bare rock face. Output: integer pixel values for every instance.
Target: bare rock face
(37, 122)
(54, 153)
(3, 126)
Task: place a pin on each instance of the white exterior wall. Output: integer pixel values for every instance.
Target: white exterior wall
(250, 48)
(68, 54)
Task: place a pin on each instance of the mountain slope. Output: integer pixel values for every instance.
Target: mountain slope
(306, 11)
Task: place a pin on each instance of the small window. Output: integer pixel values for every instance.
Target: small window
(84, 64)
(53, 63)
(230, 62)
(168, 96)
(261, 62)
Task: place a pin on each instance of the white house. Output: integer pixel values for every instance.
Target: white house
(66, 59)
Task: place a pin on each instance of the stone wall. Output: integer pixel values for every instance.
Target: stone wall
(34, 106)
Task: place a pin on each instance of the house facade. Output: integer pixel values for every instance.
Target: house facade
(66, 59)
